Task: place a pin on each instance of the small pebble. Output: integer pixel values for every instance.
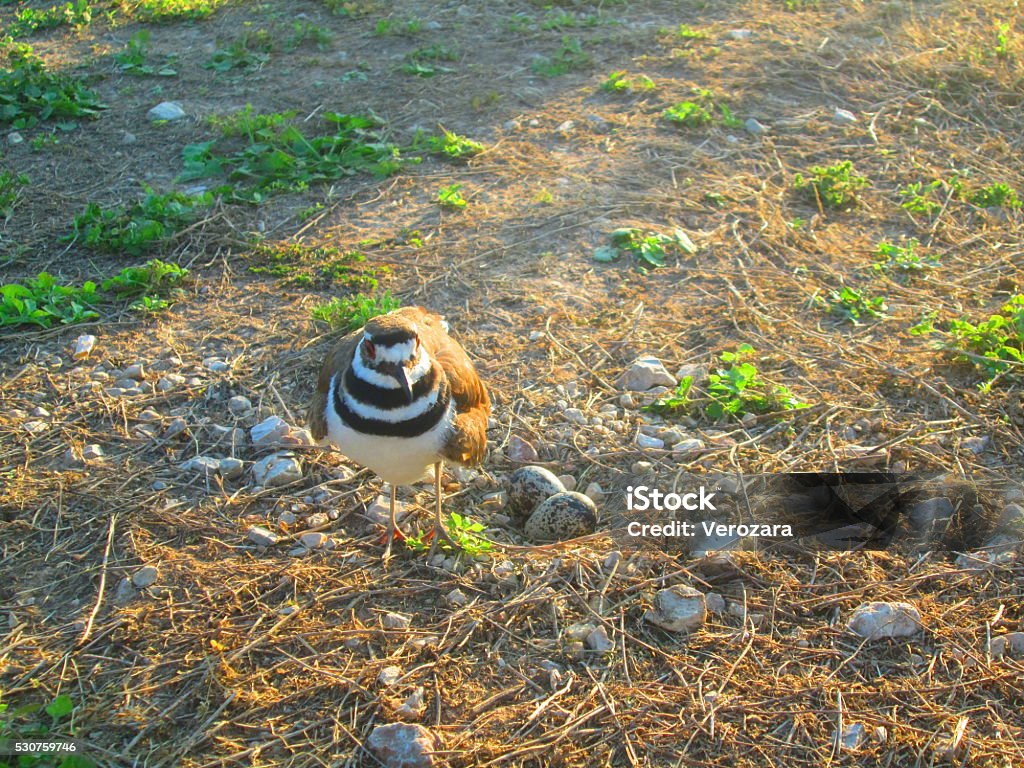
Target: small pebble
(388, 676)
(395, 621)
(83, 346)
(135, 371)
(313, 539)
(146, 576)
(262, 537)
(177, 426)
(649, 443)
(239, 405)
(844, 117)
(595, 492)
(92, 452)
(599, 641)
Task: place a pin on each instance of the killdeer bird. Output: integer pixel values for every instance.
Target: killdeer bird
(398, 396)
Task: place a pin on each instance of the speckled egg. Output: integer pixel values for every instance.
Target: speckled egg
(563, 516)
(528, 487)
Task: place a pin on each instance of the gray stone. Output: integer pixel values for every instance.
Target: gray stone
(688, 446)
(976, 445)
(170, 382)
(388, 676)
(575, 415)
(1010, 644)
(595, 492)
(404, 745)
(203, 465)
(313, 539)
(755, 128)
(678, 609)
(177, 427)
(239, 405)
(166, 110)
(277, 469)
(739, 34)
(876, 620)
(379, 511)
(598, 640)
(124, 592)
(215, 365)
(853, 735)
(520, 450)
(395, 621)
(92, 452)
(714, 602)
(649, 443)
(146, 576)
(456, 598)
(269, 431)
(644, 373)
(843, 117)
(231, 468)
(135, 371)
(262, 537)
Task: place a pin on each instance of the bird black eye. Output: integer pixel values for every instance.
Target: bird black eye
(369, 349)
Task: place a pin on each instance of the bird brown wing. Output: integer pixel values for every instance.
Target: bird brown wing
(338, 359)
(472, 403)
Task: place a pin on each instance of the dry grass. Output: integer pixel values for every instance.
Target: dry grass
(238, 656)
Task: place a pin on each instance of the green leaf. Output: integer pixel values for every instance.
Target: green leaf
(60, 707)
(606, 253)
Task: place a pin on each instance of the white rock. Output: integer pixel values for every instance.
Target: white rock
(388, 676)
(739, 34)
(166, 110)
(519, 450)
(690, 445)
(714, 602)
(203, 465)
(135, 371)
(412, 708)
(568, 481)
(648, 442)
(853, 735)
(231, 468)
(755, 128)
(395, 621)
(642, 468)
(644, 373)
(276, 470)
(262, 537)
(536, 335)
(300, 436)
(598, 640)
(313, 539)
(976, 445)
(269, 431)
(678, 609)
(626, 400)
(170, 382)
(575, 415)
(379, 511)
(215, 364)
(844, 117)
(1012, 643)
(239, 405)
(83, 346)
(876, 620)
(145, 577)
(456, 598)
(404, 745)
(92, 452)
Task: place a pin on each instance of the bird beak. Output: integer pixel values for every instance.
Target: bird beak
(403, 379)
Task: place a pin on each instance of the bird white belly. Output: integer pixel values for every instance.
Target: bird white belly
(397, 460)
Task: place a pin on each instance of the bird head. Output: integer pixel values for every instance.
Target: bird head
(392, 353)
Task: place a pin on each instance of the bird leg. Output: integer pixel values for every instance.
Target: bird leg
(440, 530)
(392, 525)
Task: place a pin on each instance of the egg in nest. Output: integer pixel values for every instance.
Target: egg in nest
(564, 515)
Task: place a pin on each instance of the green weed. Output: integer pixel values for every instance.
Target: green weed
(450, 197)
(170, 10)
(464, 532)
(141, 226)
(677, 401)
(423, 62)
(10, 190)
(918, 197)
(453, 145)
(30, 94)
(247, 123)
(621, 82)
(42, 301)
(393, 27)
(649, 249)
(307, 32)
(1003, 43)
(890, 257)
(279, 157)
(701, 111)
(348, 314)
(995, 345)
(686, 32)
(852, 305)
(831, 186)
(998, 195)
(29, 20)
(134, 59)
(248, 53)
(570, 57)
(322, 266)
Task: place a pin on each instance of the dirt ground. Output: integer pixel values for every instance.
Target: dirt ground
(236, 654)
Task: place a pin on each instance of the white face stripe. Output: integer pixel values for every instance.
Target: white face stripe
(395, 415)
(370, 376)
(395, 353)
